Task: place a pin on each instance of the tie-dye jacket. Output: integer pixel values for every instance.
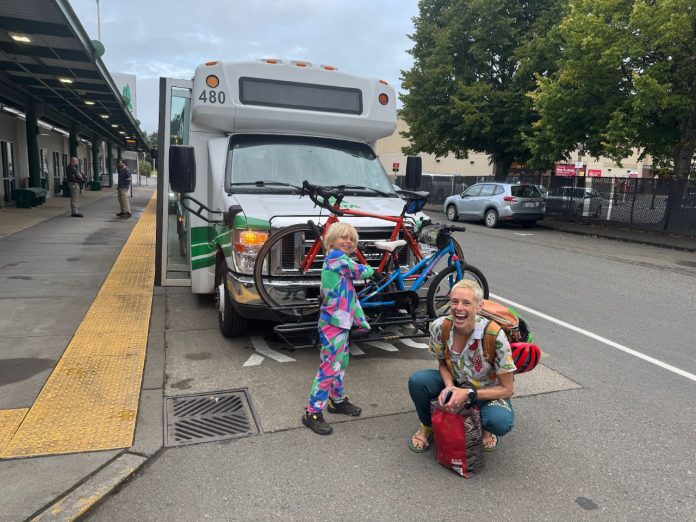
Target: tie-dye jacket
(340, 306)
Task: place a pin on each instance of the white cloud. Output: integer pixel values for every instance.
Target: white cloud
(171, 38)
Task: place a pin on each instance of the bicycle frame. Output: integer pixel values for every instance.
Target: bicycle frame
(314, 249)
(427, 264)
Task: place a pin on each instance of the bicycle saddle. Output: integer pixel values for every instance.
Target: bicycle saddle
(389, 246)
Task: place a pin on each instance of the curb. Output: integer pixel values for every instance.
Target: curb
(97, 487)
(606, 235)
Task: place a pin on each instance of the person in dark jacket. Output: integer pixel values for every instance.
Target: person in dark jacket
(124, 181)
(74, 178)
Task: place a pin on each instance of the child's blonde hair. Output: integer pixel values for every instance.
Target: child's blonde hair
(337, 230)
(471, 285)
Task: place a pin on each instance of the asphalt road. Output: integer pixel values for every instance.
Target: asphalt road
(600, 433)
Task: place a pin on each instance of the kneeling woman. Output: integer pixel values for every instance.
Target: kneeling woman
(471, 374)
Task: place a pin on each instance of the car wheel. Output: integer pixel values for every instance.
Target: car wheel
(451, 213)
(490, 218)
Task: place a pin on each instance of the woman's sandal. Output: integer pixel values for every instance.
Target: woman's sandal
(423, 437)
(493, 446)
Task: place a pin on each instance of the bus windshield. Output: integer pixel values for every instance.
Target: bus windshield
(284, 159)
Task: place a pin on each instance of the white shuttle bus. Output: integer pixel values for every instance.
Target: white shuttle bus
(256, 129)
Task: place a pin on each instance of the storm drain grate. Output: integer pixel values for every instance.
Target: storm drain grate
(207, 417)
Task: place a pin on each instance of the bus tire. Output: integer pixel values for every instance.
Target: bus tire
(231, 323)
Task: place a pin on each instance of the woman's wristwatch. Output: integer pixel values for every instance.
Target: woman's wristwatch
(472, 394)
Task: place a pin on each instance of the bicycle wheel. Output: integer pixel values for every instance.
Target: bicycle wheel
(279, 281)
(438, 293)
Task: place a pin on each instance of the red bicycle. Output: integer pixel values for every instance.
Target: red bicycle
(288, 266)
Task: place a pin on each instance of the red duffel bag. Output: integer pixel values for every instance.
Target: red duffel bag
(458, 438)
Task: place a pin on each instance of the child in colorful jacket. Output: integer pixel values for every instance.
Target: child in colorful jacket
(340, 310)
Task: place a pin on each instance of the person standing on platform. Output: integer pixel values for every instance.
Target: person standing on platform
(124, 181)
(75, 178)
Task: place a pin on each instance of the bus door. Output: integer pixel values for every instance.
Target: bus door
(173, 237)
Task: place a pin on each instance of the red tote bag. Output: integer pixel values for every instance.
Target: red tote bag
(458, 439)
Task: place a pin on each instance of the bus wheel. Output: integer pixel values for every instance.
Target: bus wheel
(231, 323)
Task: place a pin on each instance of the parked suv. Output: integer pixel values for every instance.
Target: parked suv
(574, 201)
(496, 202)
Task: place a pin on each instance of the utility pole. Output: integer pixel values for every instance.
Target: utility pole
(98, 23)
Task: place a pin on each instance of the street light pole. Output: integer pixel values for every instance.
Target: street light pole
(98, 23)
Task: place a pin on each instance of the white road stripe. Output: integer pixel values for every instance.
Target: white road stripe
(383, 346)
(262, 347)
(254, 360)
(522, 234)
(413, 344)
(354, 349)
(601, 339)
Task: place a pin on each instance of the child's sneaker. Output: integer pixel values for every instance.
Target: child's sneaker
(345, 407)
(316, 423)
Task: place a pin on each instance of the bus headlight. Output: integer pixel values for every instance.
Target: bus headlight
(245, 248)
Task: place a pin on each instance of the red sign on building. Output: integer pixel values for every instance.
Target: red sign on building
(565, 170)
(594, 172)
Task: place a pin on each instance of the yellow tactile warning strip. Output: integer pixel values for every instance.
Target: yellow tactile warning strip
(90, 401)
(9, 422)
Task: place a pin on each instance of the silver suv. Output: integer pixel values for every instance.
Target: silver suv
(496, 202)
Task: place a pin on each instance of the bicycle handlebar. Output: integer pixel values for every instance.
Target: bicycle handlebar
(315, 192)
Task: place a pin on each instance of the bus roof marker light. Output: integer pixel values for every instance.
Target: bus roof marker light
(383, 99)
(383, 82)
(300, 64)
(272, 61)
(210, 63)
(212, 81)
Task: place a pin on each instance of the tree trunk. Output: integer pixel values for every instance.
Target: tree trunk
(501, 167)
(682, 161)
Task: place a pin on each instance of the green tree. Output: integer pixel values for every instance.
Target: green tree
(145, 168)
(626, 78)
(153, 139)
(474, 63)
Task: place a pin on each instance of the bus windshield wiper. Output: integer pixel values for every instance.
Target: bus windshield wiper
(263, 183)
(359, 187)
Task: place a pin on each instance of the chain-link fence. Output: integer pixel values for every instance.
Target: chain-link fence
(661, 205)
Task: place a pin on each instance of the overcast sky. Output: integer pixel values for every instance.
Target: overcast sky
(154, 38)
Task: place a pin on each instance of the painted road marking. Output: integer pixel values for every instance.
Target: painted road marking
(522, 234)
(383, 346)
(601, 339)
(355, 349)
(262, 347)
(413, 344)
(254, 360)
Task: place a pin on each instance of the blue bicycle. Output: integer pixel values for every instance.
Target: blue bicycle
(288, 267)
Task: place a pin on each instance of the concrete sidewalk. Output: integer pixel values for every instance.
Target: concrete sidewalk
(685, 243)
(52, 267)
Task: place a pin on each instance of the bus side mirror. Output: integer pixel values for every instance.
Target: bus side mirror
(228, 217)
(414, 169)
(182, 168)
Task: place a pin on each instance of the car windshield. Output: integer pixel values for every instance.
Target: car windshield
(281, 160)
(525, 191)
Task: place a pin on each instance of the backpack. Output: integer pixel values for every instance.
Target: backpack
(499, 317)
